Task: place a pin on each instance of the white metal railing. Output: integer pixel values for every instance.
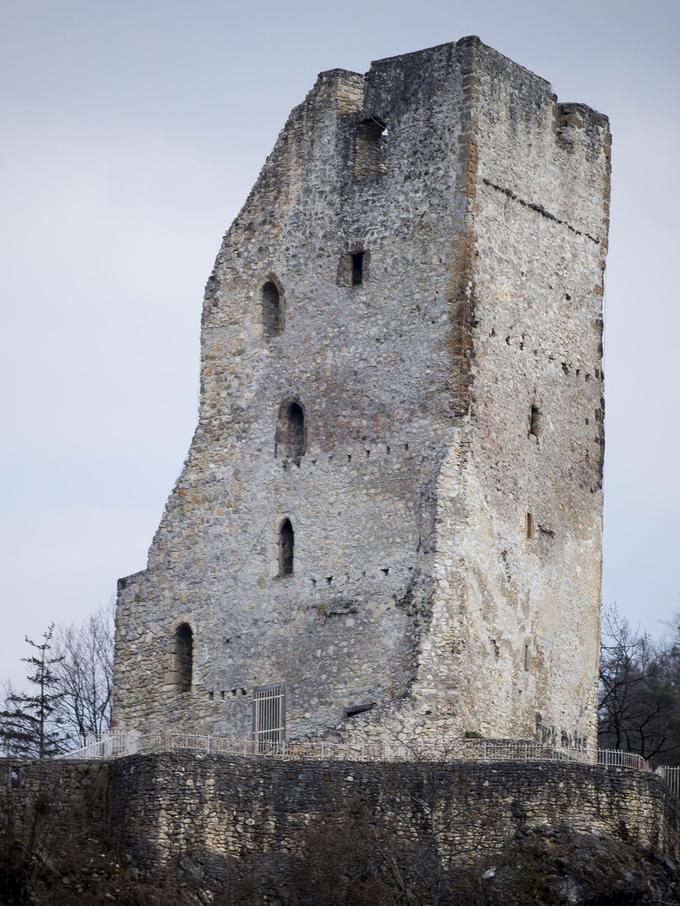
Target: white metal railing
(617, 759)
(116, 744)
(119, 744)
(671, 777)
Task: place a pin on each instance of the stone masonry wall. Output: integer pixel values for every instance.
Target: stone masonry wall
(371, 366)
(522, 569)
(217, 810)
(206, 817)
(69, 798)
(421, 584)
(513, 640)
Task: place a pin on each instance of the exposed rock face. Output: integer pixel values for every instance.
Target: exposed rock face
(557, 867)
(393, 495)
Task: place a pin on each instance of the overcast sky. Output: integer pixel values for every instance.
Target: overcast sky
(132, 132)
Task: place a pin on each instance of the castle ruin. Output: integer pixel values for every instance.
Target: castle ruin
(389, 520)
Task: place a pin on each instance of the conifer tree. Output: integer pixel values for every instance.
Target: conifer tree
(27, 727)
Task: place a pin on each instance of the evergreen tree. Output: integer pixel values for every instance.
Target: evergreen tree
(27, 727)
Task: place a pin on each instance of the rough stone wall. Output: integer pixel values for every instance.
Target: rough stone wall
(519, 575)
(540, 231)
(208, 815)
(413, 586)
(371, 366)
(69, 798)
(216, 808)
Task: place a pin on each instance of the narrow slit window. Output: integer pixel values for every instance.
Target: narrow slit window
(286, 548)
(183, 656)
(535, 421)
(530, 526)
(272, 309)
(296, 432)
(357, 268)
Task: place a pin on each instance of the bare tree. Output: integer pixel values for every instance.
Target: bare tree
(639, 702)
(85, 676)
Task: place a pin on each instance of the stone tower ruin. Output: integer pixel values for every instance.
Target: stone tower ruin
(389, 519)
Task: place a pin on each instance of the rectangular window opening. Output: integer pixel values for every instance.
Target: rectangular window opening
(369, 148)
(357, 268)
(530, 526)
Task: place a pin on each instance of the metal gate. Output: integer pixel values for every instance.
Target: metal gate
(269, 718)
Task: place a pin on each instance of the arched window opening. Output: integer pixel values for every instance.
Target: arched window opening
(286, 548)
(296, 432)
(291, 432)
(272, 309)
(183, 655)
(369, 147)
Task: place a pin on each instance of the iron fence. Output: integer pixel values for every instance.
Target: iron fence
(671, 777)
(119, 744)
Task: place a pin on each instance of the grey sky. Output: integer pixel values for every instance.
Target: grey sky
(132, 133)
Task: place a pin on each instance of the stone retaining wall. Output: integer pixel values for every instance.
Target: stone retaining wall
(206, 817)
(230, 807)
(54, 801)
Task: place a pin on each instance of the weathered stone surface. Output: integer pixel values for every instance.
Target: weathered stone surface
(481, 206)
(201, 824)
(165, 805)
